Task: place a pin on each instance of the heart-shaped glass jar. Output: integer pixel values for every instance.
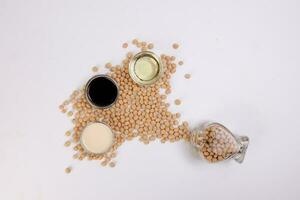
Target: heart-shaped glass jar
(215, 143)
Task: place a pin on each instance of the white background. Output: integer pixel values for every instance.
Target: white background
(245, 66)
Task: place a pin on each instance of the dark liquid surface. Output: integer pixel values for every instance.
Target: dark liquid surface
(102, 91)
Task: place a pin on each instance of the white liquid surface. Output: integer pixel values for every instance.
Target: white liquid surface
(97, 138)
(146, 68)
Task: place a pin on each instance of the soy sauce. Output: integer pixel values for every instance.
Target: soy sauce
(101, 91)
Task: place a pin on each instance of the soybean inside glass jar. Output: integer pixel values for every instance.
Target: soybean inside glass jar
(214, 142)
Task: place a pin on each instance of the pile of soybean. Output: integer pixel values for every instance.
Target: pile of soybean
(140, 112)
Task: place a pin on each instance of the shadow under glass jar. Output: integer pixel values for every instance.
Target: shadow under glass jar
(101, 91)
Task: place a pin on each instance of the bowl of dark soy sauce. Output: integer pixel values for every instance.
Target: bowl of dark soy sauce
(101, 91)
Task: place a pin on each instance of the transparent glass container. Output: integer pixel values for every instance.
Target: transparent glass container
(215, 143)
